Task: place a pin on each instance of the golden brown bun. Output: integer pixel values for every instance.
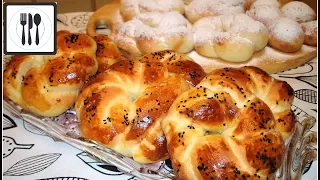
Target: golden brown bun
(231, 125)
(310, 32)
(107, 52)
(49, 85)
(123, 106)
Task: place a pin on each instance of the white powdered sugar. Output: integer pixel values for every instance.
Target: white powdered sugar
(266, 2)
(244, 23)
(298, 11)
(156, 19)
(152, 5)
(215, 7)
(144, 31)
(204, 35)
(310, 27)
(286, 30)
(265, 14)
(219, 28)
(174, 4)
(153, 26)
(129, 28)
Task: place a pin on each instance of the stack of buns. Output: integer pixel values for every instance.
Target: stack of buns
(290, 26)
(216, 33)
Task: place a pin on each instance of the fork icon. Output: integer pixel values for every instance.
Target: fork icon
(23, 22)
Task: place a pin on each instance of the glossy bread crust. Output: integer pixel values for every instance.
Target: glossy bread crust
(48, 85)
(107, 52)
(233, 125)
(123, 106)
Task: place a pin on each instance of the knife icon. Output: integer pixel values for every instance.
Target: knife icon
(30, 24)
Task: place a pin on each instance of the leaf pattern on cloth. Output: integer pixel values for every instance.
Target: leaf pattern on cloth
(303, 69)
(307, 95)
(64, 178)
(32, 165)
(103, 168)
(31, 128)
(8, 122)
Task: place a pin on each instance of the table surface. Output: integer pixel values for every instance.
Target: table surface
(29, 154)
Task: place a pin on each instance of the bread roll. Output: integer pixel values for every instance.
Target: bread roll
(232, 38)
(49, 85)
(298, 11)
(286, 35)
(122, 107)
(107, 52)
(154, 31)
(310, 30)
(232, 125)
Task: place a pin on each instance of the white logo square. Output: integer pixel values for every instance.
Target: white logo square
(30, 28)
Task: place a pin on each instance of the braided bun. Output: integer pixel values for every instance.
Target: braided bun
(107, 52)
(152, 32)
(123, 106)
(232, 125)
(49, 85)
(232, 38)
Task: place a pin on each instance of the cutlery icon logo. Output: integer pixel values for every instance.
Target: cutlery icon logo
(36, 19)
(30, 28)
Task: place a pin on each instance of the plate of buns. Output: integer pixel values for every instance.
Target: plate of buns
(272, 35)
(176, 89)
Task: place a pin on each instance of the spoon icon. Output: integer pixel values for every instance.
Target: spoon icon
(37, 21)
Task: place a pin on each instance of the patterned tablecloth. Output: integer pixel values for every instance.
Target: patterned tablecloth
(29, 154)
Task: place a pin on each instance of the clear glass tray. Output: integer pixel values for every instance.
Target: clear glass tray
(300, 148)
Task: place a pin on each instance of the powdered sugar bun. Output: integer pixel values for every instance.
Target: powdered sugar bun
(154, 31)
(310, 32)
(286, 35)
(266, 2)
(230, 37)
(266, 14)
(131, 8)
(298, 11)
(203, 8)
